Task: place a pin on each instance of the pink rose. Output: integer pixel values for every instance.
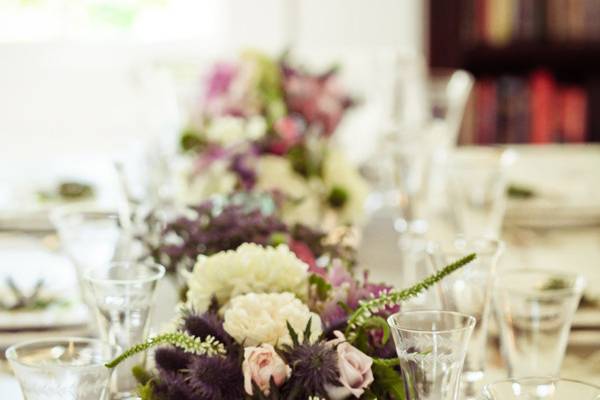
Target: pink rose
(261, 364)
(355, 370)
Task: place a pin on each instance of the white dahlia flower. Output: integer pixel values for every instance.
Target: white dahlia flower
(256, 318)
(340, 175)
(249, 268)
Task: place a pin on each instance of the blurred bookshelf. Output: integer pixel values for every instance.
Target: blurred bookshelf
(536, 64)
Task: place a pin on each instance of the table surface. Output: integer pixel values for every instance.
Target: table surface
(570, 249)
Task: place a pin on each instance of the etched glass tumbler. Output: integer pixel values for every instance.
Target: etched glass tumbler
(469, 291)
(63, 368)
(540, 389)
(431, 346)
(123, 296)
(535, 308)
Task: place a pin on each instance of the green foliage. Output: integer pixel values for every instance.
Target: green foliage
(141, 375)
(369, 307)
(188, 343)
(321, 285)
(190, 140)
(338, 197)
(388, 382)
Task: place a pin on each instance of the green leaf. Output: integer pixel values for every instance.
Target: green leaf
(338, 197)
(376, 322)
(323, 287)
(292, 333)
(306, 333)
(389, 380)
(140, 374)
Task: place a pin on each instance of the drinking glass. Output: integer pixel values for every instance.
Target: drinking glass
(62, 368)
(469, 291)
(123, 296)
(411, 159)
(476, 188)
(91, 238)
(415, 266)
(535, 308)
(544, 388)
(431, 346)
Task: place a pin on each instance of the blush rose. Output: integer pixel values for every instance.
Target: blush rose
(261, 364)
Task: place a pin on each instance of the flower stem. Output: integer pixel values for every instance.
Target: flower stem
(394, 297)
(188, 343)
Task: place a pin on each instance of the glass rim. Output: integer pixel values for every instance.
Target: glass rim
(548, 379)
(578, 286)
(442, 245)
(157, 275)
(470, 321)
(11, 352)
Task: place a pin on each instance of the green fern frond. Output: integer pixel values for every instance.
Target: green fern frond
(191, 344)
(394, 297)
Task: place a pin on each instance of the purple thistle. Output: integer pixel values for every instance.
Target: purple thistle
(171, 359)
(207, 324)
(216, 378)
(313, 367)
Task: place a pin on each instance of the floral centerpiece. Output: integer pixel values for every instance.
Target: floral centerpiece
(265, 125)
(225, 222)
(258, 323)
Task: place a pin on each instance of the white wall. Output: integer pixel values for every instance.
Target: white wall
(76, 89)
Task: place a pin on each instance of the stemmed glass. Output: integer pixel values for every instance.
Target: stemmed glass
(123, 296)
(431, 346)
(469, 291)
(535, 308)
(476, 187)
(62, 368)
(91, 238)
(543, 388)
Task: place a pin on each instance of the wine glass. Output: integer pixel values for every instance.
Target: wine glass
(535, 308)
(123, 296)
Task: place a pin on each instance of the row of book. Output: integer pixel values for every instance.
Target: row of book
(533, 109)
(501, 22)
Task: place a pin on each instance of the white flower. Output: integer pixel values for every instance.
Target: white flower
(229, 130)
(256, 318)
(339, 173)
(249, 268)
(192, 187)
(276, 173)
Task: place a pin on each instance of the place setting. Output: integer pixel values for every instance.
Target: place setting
(229, 201)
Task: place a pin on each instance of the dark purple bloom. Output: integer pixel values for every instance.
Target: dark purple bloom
(216, 378)
(313, 367)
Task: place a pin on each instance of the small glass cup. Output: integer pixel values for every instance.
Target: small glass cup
(431, 346)
(544, 388)
(90, 238)
(476, 188)
(535, 308)
(63, 368)
(123, 296)
(469, 290)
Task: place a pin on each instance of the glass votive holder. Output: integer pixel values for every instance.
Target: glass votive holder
(63, 368)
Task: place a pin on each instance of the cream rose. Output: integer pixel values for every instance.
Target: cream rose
(355, 370)
(261, 364)
(256, 318)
